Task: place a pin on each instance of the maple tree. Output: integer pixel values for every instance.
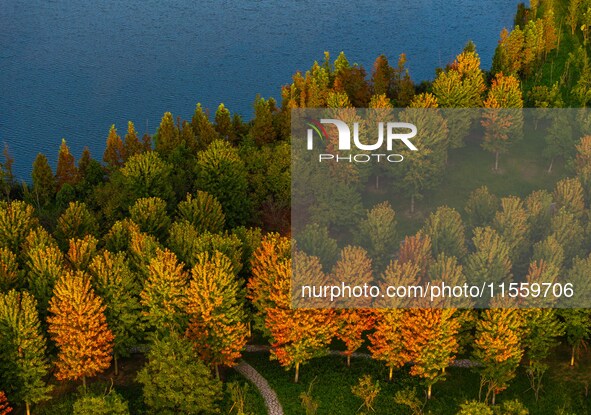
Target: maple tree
(216, 315)
(78, 326)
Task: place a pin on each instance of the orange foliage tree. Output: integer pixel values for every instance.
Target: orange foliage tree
(78, 326)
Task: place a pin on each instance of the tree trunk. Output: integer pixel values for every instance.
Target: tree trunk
(348, 360)
(84, 383)
(572, 356)
(494, 395)
(297, 372)
(217, 371)
(497, 161)
(28, 407)
(550, 167)
(429, 391)
(377, 182)
(116, 363)
(412, 204)
(390, 375)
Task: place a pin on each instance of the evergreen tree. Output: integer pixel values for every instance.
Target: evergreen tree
(76, 222)
(447, 233)
(10, 274)
(147, 175)
(110, 404)
(498, 349)
(490, 262)
(569, 195)
(17, 218)
(223, 124)
(569, 233)
(429, 338)
(221, 173)
(66, 172)
(168, 136)
(386, 341)
(114, 154)
(262, 130)
(205, 132)
(151, 216)
(512, 225)
(23, 359)
(117, 285)
(44, 186)
(377, 233)
(481, 207)
(217, 317)
(539, 210)
(502, 118)
(164, 295)
(132, 144)
(174, 379)
(78, 326)
(203, 211)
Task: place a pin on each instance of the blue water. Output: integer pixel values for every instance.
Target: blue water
(71, 68)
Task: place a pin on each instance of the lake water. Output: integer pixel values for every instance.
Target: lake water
(71, 68)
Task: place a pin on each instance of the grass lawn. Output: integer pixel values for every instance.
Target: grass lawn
(333, 381)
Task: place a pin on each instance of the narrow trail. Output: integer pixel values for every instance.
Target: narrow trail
(271, 400)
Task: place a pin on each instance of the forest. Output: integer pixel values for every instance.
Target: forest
(150, 279)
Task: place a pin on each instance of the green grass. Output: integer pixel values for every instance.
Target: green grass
(333, 381)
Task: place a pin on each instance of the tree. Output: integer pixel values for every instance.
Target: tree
(490, 262)
(10, 274)
(461, 85)
(44, 265)
(203, 211)
(481, 207)
(367, 390)
(167, 136)
(549, 251)
(81, 252)
(582, 90)
(114, 154)
(262, 129)
(447, 232)
(382, 76)
(538, 206)
(151, 216)
(17, 218)
(542, 329)
(174, 379)
(502, 118)
(223, 124)
(5, 408)
(217, 316)
(474, 408)
(203, 129)
(147, 175)
(429, 337)
(164, 295)
(377, 233)
(315, 240)
(572, 18)
(512, 225)
(23, 360)
(66, 172)
(386, 342)
(44, 185)
(221, 173)
(132, 144)
(78, 327)
(559, 138)
(498, 349)
(76, 222)
(110, 404)
(351, 324)
(117, 285)
(577, 327)
(569, 233)
(354, 267)
(416, 249)
(569, 195)
(582, 164)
